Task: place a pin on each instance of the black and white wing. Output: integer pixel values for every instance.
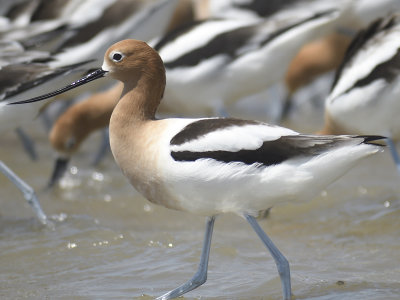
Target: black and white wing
(373, 55)
(250, 142)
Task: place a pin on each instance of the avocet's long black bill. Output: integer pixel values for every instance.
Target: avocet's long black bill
(90, 77)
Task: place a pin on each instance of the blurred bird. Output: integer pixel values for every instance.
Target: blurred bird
(15, 79)
(77, 123)
(318, 57)
(73, 31)
(313, 60)
(364, 95)
(81, 119)
(215, 62)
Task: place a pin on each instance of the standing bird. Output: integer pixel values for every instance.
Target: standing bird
(211, 166)
(230, 59)
(365, 94)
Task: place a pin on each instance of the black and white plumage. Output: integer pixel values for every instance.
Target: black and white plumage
(213, 166)
(354, 14)
(118, 20)
(272, 164)
(251, 149)
(377, 43)
(74, 31)
(31, 72)
(215, 62)
(23, 71)
(364, 96)
(43, 41)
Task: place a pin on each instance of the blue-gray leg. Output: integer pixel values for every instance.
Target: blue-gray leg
(281, 262)
(28, 192)
(201, 275)
(393, 151)
(27, 142)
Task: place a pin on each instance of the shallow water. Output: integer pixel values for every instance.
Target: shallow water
(110, 243)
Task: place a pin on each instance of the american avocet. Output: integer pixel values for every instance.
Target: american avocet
(326, 54)
(120, 19)
(313, 60)
(84, 29)
(234, 45)
(79, 121)
(29, 73)
(219, 61)
(352, 16)
(213, 165)
(354, 13)
(12, 57)
(67, 132)
(364, 96)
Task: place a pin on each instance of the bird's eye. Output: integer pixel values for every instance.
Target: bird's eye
(117, 56)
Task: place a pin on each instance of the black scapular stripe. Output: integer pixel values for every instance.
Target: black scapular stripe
(265, 8)
(229, 43)
(274, 152)
(386, 70)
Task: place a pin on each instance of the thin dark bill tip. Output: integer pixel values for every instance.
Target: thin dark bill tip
(99, 73)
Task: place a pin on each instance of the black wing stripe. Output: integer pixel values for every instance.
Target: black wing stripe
(230, 42)
(385, 70)
(388, 71)
(114, 15)
(271, 152)
(225, 43)
(265, 8)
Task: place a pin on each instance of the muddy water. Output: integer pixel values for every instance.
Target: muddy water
(110, 243)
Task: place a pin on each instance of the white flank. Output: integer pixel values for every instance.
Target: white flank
(209, 187)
